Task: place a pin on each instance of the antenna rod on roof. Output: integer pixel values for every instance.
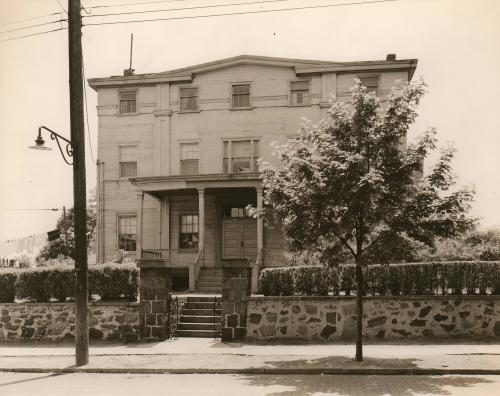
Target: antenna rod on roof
(130, 71)
(131, 46)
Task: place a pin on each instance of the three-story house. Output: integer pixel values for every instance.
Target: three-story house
(178, 155)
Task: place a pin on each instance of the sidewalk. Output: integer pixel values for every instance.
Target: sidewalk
(196, 355)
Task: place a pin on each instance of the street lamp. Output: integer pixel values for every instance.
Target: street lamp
(40, 143)
(80, 226)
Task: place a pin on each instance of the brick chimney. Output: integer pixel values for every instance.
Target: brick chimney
(390, 57)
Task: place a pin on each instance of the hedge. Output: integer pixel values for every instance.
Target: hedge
(434, 278)
(42, 284)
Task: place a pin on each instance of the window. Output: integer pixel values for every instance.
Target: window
(128, 102)
(240, 156)
(127, 233)
(128, 161)
(241, 96)
(299, 93)
(236, 213)
(190, 156)
(370, 82)
(189, 99)
(188, 237)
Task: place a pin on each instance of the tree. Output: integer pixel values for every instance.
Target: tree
(66, 247)
(350, 184)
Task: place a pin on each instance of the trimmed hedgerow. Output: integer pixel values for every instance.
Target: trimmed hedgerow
(57, 281)
(434, 278)
(7, 285)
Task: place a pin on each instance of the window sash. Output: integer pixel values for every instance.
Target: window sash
(242, 154)
(241, 95)
(190, 167)
(188, 232)
(127, 229)
(128, 169)
(128, 100)
(371, 83)
(188, 99)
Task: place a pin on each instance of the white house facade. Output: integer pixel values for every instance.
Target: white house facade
(178, 155)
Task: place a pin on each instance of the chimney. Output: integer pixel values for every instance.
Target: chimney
(390, 57)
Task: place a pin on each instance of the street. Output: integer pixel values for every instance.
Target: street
(281, 385)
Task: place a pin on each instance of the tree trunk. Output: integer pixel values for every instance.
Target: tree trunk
(359, 311)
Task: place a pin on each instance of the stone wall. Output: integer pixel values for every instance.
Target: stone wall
(53, 322)
(330, 318)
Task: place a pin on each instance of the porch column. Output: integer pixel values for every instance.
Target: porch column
(140, 210)
(260, 240)
(165, 223)
(201, 218)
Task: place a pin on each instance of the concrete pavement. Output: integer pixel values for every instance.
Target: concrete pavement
(80, 384)
(192, 355)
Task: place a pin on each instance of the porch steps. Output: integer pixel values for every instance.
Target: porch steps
(209, 280)
(200, 317)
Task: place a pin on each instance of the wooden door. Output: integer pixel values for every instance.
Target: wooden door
(239, 238)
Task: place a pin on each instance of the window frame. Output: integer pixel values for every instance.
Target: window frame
(180, 239)
(181, 159)
(120, 146)
(368, 88)
(122, 216)
(197, 110)
(290, 102)
(250, 96)
(127, 90)
(255, 154)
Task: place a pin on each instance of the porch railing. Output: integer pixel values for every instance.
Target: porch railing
(174, 257)
(274, 258)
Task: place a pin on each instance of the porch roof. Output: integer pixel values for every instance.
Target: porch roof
(158, 185)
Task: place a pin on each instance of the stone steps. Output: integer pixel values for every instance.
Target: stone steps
(209, 280)
(199, 319)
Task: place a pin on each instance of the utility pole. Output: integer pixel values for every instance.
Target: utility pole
(79, 182)
(65, 222)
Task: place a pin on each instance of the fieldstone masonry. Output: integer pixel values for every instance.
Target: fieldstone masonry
(154, 287)
(332, 318)
(235, 294)
(55, 322)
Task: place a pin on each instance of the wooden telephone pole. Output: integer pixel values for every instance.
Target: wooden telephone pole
(79, 182)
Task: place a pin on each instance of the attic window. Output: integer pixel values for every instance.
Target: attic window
(299, 93)
(241, 96)
(370, 82)
(128, 102)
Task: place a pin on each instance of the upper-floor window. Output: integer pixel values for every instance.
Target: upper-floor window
(240, 96)
(128, 161)
(370, 82)
(189, 99)
(128, 101)
(190, 156)
(127, 226)
(299, 93)
(240, 156)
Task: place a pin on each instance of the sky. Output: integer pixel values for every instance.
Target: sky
(457, 43)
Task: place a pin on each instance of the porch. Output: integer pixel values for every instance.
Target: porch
(204, 226)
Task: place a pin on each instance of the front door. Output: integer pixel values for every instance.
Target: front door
(239, 237)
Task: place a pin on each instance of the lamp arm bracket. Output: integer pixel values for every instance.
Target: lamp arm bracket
(68, 147)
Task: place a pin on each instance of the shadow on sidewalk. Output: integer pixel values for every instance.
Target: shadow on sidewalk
(362, 384)
(344, 362)
(31, 379)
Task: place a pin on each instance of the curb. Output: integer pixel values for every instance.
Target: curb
(259, 371)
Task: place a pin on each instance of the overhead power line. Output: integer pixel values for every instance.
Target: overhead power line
(132, 4)
(33, 34)
(30, 19)
(32, 26)
(87, 112)
(38, 209)
(239, 13)
(184, 8)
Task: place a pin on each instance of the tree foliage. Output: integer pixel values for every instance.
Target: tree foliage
(350, 183)
(63, 247)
